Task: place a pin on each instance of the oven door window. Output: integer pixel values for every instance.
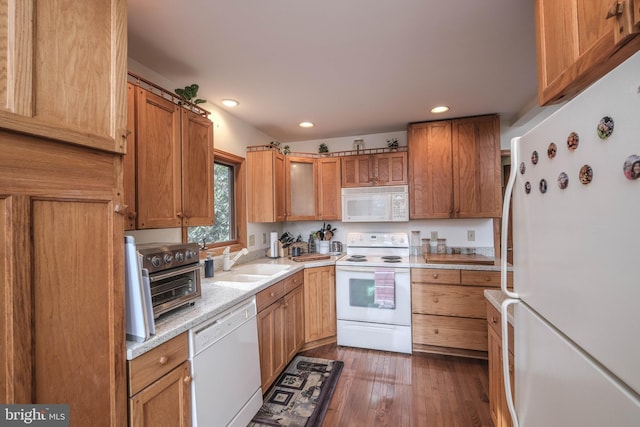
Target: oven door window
(362, 293)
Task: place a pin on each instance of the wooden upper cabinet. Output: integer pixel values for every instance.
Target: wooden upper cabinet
(197, 169)
(266, 184)
(168, 168)
(430, 171)
(455, 168)
(476, 167)
(375, 169)
(300, 188)
(129, 162)
(329, 186)
(64, 71)
(577, 44)
(158, 161)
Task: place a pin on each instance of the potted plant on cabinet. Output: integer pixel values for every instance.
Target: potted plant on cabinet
(392, 143)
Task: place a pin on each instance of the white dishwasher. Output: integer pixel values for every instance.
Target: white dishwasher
(225, 367)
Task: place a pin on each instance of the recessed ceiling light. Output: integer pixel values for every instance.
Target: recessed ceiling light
(306, 125)
(230, 103)
(440, 109)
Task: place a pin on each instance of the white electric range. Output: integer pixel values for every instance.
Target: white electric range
(373, 292)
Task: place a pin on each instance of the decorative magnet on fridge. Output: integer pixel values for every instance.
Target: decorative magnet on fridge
(534, 157)
(605, 127)
(563, 180)
(631, 167)
(572, 141)
(543, 186)
(552, 150)
(586, 174)
(523, 168)
(527, 187)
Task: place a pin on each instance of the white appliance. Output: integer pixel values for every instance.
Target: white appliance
(225, 367)
(140, 323)
(365, 318)
(576, 226)
(375, 204)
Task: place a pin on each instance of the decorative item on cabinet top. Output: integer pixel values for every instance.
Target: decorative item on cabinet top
(346, 153)
(173, 97)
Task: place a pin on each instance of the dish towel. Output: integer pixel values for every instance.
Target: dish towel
(385, 289)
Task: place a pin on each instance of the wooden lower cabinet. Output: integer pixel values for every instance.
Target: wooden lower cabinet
(497, 397)
(319, 304)
(448, 310)
(280, 326)
(160, 386)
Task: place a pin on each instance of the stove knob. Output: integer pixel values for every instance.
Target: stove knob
(168, 257)
(156, 261)
(179, 256)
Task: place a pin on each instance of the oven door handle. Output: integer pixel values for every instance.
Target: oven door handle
(153, 277)
(372, 269)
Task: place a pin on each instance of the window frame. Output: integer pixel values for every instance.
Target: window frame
(240, 216)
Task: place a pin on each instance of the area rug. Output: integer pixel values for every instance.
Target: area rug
(301, 395)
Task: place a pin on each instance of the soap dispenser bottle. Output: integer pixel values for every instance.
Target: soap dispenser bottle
(208, 266)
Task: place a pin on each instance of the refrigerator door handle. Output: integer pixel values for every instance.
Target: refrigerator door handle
(505, 358)
(515, 143)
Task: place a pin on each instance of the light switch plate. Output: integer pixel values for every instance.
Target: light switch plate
(471, 235)
(252, 240)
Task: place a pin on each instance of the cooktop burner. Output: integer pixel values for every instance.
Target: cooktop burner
(357, 258)
(392, 257)
(392, 260)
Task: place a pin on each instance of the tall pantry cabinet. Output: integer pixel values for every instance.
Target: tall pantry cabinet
(62, 136)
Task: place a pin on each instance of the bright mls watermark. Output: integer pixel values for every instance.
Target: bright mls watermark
(34, 415)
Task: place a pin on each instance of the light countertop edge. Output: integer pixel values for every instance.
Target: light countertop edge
(216, 299)
(495, 297)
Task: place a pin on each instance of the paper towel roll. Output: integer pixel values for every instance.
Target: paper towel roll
(274, 244)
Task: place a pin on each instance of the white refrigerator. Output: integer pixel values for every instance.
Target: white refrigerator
(575, 189)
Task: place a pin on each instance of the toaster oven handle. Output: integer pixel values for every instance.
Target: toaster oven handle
(174, 272)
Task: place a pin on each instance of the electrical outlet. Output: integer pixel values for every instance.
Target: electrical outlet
(264, 238)
(471, 235)
(252, 240)
(434, 236)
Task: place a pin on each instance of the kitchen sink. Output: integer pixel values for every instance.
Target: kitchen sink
(261, 269)
(244, 278)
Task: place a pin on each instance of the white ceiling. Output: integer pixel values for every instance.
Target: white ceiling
(352, 67)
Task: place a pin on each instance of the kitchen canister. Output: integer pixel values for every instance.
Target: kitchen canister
(426, 246)
(442, 246)
(323, 246)
(336, 246)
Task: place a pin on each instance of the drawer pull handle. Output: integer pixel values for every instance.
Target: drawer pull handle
(435, 275)
(435, 299)
(494, 320)
(163, 360)
(487, 278)
(187, 379)
(272, 294)
(436, 331)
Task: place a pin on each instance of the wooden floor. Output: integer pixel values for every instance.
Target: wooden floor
(379, 388)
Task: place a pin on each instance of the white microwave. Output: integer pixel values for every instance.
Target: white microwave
(375, 204)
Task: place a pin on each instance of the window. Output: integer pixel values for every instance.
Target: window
(229, 225)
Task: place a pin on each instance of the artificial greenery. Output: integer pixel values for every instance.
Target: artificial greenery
(189, 94)
(392, 143)
(322, 148)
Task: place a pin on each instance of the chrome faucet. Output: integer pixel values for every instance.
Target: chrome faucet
(227, 262)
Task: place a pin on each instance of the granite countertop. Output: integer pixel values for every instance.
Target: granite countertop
(216, 299)
(495, 297)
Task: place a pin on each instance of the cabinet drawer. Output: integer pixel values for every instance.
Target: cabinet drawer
(268, 296)
(494, 321)
(484, 278)
(435, 275)
(293, 281)
(452, 332)
(449, 300)
(155, 363)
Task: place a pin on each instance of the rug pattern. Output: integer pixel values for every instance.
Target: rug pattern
(301, 394)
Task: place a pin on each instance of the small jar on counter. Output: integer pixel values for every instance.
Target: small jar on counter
(442, 246)
(426, 246)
